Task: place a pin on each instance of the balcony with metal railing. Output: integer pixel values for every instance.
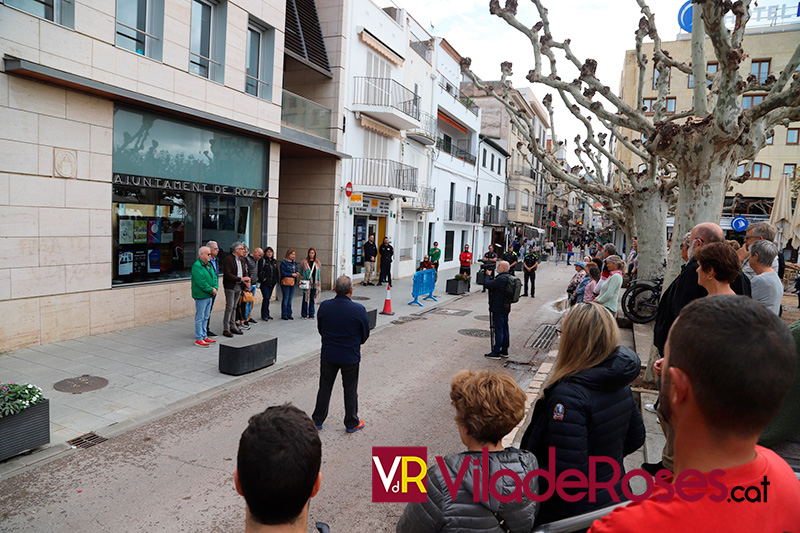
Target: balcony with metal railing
(388, 101)
(454, 90)
(451, 146)
(522, 171)
(424, 201)
(494, 217)
(462, 212)
(426, 132)
(304, 115)
(382, 175)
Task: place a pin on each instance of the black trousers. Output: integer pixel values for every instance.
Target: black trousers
(386, 273)
(532, 277)
(327, 377)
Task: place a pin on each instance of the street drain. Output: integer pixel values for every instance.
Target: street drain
(410, 318)
(543, 337)
(482, 317)
(84, 383)
(475, 332)
(359, 298)
(86, 441)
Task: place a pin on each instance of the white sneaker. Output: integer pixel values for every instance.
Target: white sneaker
(650, 407)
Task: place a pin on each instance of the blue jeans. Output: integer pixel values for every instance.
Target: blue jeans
(202, 312)
(501, 335)
(248, 306)
(266, 293)
(286, 301)
(308, 303)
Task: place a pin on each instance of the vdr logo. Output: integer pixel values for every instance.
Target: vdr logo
(399, 474)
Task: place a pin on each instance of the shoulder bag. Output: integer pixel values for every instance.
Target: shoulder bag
(288, 281)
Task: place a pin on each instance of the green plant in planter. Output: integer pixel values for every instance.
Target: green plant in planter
(462, 277)
(15, 397)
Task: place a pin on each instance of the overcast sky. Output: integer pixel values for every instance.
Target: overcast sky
(601, 30)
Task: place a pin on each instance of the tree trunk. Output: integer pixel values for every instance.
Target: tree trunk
(704, 174)
(650, 217)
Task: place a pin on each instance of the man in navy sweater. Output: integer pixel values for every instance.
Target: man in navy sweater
(344, 327)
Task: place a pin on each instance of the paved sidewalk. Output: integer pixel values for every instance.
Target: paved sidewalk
(155, 370)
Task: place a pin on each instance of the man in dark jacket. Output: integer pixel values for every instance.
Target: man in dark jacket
(255, 264)
(511, 258)
(370, 255)
(593, 409)
(529, 264)
(234, 274)
(498, 311)
(387, 251)
(344, 327)
(681, 292)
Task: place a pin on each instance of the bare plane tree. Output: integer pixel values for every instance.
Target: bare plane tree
(699, 156)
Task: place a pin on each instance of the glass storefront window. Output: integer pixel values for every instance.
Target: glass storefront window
(154, 234)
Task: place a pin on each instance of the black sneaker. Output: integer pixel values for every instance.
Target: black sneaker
(212, 334)
(492, 356)
(504, 355)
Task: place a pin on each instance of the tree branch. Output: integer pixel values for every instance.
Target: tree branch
(699, 68)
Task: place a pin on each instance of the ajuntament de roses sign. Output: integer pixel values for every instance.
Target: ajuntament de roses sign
(186, 186)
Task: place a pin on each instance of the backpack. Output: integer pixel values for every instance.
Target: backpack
(513, 290)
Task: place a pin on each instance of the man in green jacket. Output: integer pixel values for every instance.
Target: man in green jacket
(435, 253)
(204, 288)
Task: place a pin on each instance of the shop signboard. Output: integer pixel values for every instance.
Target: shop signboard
(373, 206)
(186, 186)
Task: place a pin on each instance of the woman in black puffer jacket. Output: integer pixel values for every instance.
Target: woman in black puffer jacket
(587, 410)
(488, 406)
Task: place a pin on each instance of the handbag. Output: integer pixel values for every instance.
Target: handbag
(305, 284)
(287, 282)
(248, 297)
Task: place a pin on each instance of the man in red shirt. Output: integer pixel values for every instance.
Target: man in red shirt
(466, 261)
(729, 362)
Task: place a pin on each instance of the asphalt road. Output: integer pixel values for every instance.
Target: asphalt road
(175, 474)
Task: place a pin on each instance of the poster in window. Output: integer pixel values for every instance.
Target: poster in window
(139, 231)
(242, 225)
(153, 261)
(139, 262)
(154, 231)
(166, 232)
(126, 231)
(125, 266)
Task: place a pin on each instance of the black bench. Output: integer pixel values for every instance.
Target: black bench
(372, 315)
(247, 353)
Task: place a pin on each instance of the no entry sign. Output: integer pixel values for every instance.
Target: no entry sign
(348, 189)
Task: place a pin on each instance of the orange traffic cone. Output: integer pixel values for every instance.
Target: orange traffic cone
(387, 305)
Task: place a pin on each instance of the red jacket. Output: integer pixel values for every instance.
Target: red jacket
(465, 258)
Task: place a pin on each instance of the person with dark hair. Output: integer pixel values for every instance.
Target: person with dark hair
(488, 406)
(344, 326)
(593, 273)
(289, 277)
(370, 254)
(767, 286)
(310, 274)
(278, 469)
(683, 290)
(387, 253)
(783, 432)
(586, 409)
(267, 279)
(717, 267)
(729, 364)
(530, 262)
(499, 309)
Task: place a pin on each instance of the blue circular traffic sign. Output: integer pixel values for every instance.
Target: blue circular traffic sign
(685, 17)
(739, 224)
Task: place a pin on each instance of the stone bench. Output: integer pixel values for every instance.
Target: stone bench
(372, 315)
(247, 353)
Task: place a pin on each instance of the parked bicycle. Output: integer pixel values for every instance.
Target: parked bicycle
(641, 298)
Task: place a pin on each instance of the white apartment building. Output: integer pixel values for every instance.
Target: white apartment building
(491, 198)
(136, 130)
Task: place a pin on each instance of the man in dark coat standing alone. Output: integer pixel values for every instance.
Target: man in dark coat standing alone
(498, 311)
(387, 251)
(344, 327)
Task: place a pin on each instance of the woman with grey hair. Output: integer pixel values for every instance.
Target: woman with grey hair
(766, 286)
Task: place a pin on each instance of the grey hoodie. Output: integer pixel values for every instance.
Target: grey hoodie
(443, 513)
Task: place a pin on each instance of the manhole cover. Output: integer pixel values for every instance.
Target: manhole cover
(452, 312)
(86, 441)
(482, 317)
(84, 383)
(543, 337)
(475, 332)
(359, 298)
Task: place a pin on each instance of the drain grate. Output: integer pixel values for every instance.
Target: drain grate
(359, 298)
(86, 441)
(485, 333)
(482, 317)
(543, 337)
(452, 312)
(84, 383)
(410, 318)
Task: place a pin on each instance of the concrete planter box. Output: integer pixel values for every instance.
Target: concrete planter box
(457, 286)
(25, 430)
(247, 353)
(372, 316)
